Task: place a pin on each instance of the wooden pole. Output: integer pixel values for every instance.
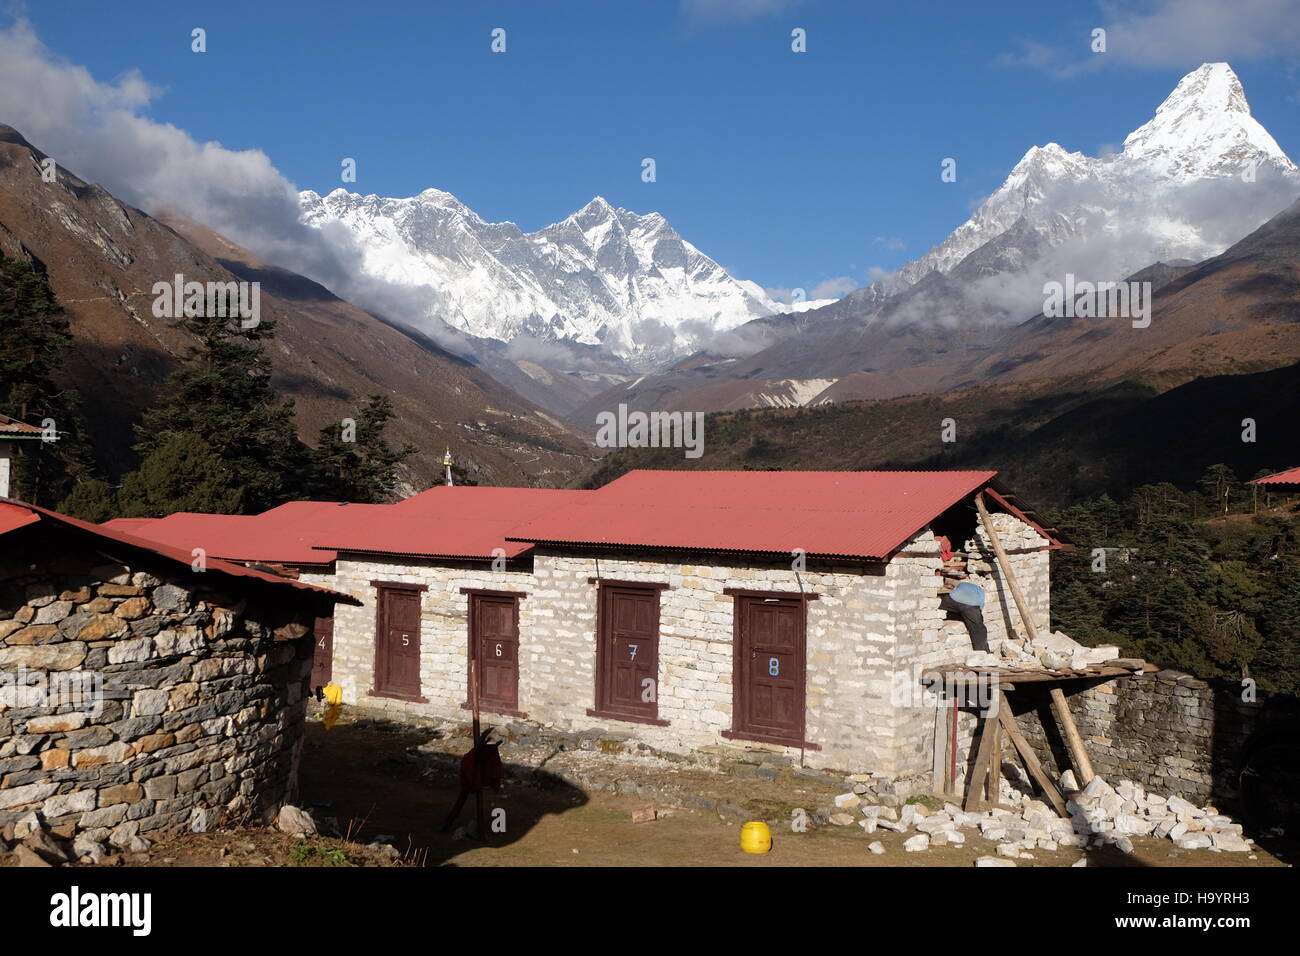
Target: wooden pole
(994, 791)
(938, 769)
(1073, 741)
(480, 811)
(1025, 615)
(1030, 758)
(979, 772)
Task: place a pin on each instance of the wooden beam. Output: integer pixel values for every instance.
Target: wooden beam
(1073, 740)
(979, 772)
(939, 767)
(1045, 783)
(1025, 615)
(994, 790)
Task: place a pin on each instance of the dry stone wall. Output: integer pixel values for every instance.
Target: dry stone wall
(1170, 732)
(135, 696)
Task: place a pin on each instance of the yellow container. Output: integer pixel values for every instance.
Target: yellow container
(333, 694)
(755, 837)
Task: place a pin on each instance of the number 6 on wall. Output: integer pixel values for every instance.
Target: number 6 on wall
(498, 650)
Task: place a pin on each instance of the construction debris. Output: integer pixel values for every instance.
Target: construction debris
(1099, 815)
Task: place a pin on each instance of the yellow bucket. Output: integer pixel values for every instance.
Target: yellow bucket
(755, 837)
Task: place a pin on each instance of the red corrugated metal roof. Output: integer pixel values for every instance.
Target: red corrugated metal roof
(1289, 477)
(865, 514)
(13, 517)
(283, 535)
(468, 521)
(165, 550)
(13, 428)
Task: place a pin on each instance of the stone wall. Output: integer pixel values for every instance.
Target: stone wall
(153, 697)
(870, 634)
(849, 655)
(871, 631)
(444, 627)
(1171, 732)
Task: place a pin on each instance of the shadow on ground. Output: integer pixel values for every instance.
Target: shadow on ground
(370, 781)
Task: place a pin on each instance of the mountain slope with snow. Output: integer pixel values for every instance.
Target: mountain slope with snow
(603, 276)
(1195, 178)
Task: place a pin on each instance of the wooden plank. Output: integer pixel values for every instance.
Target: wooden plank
(1073, 740)
(1045, 783)
(994, 789)
(1025, 615)
(939, 765)
(952, 750)
(979, 772)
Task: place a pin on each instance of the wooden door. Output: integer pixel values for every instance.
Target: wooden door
(397, 643)
(769, 700)
(627, 653)
(494, 643)
(322, 662)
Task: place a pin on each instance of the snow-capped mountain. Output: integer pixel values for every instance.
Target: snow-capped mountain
(1194, 179)
(603, 276)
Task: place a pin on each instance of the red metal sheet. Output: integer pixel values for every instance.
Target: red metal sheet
(469, 521)
(866, 514)
(1289, 477)
(9, 521)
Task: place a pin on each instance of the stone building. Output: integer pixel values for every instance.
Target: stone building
(785, 611)
(142, 687)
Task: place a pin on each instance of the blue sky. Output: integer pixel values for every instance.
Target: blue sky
(789, 169)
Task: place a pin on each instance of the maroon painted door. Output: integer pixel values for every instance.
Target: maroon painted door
(322, 662)
(770, 669)
(627, 654)
(494, 643)
(397, 643)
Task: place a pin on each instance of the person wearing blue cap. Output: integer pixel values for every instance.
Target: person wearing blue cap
(967, 601)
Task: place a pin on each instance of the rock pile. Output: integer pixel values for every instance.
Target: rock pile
(1055, 651)
(1100, 815)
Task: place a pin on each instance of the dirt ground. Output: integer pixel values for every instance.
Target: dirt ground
(372, 781)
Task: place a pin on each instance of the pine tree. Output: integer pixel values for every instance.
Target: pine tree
(364, 468)
(35, 338)
(222, 400)
(184, 473)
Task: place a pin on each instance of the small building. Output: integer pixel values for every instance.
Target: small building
(792, 612)
(142, 687)
(13, 436)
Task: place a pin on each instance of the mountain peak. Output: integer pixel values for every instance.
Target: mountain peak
(1204, 128)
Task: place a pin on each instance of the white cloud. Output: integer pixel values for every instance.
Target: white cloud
(892, 243)
(834, 288)
(735, 9)
(1171, 33)
(95, 130)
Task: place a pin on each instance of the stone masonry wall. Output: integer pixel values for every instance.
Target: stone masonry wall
(1171, 732)
(849, 657)
(444, 627)
(138, 696)
(869, 635)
